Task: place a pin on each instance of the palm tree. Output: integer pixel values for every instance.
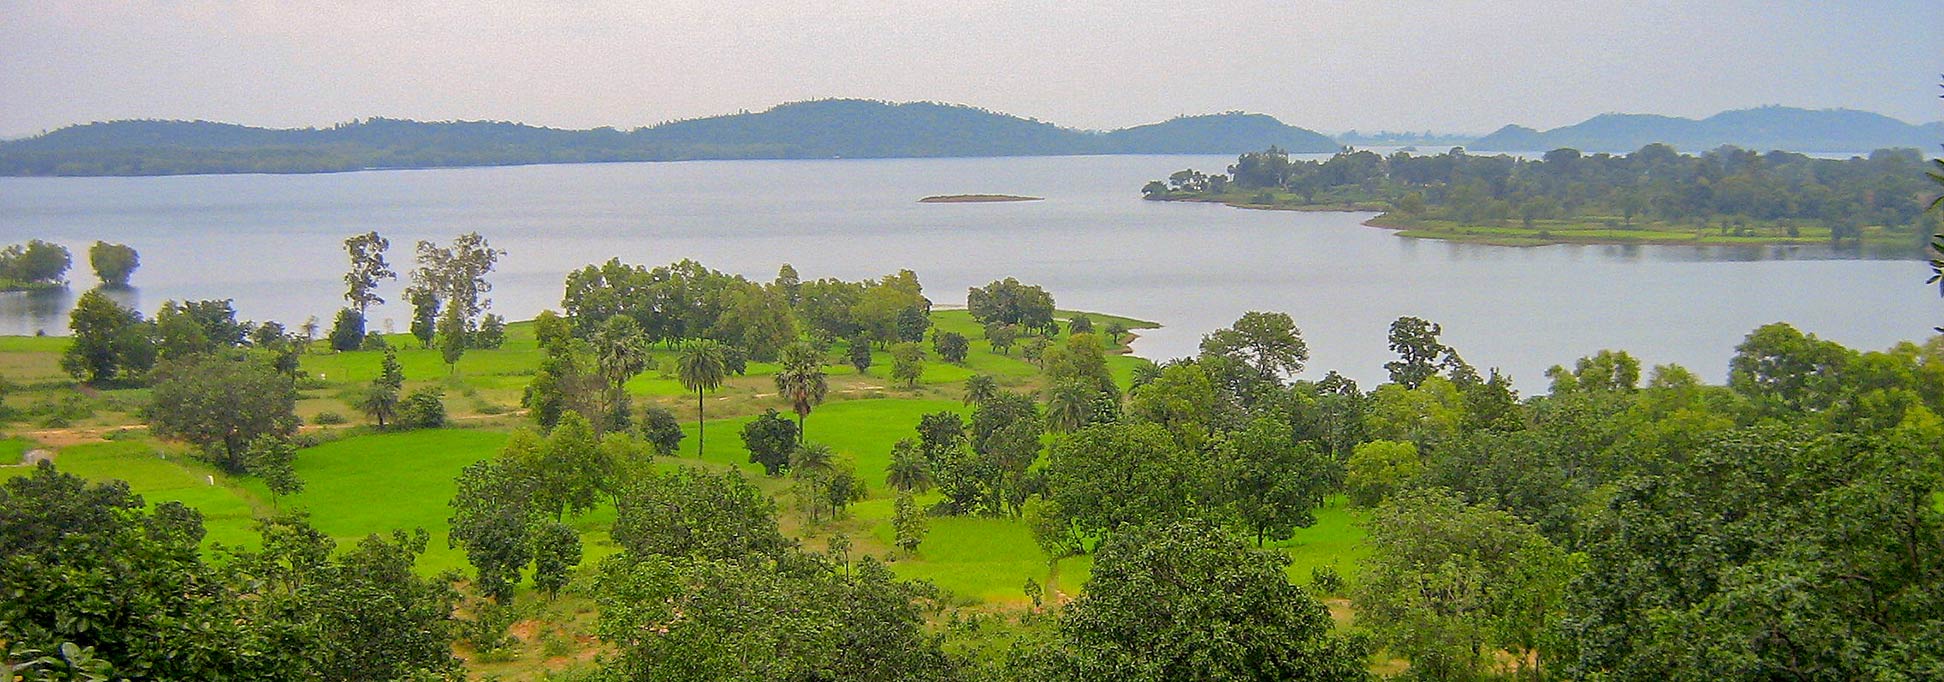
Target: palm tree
(700, 368)
(980, 388)
(621, 352)
(1069, 406)
(801, 379)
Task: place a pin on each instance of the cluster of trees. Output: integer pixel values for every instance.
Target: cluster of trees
(38, 264)
(687, 301)
(1729, 186)
(103, 586)
(447, 294)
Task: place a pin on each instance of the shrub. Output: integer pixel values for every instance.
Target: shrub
(423, 409)
(1326, 580)
(327, 418)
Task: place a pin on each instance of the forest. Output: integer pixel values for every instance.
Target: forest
(882, 490)
(1723, 196)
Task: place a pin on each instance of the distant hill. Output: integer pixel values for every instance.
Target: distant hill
(1764, 128)
(813, 129)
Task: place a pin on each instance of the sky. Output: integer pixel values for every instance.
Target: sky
(1465, 67)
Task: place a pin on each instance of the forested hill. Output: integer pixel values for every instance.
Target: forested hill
(815, 129)
(1788, 128)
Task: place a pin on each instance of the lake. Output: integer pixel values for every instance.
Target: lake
(274, 244)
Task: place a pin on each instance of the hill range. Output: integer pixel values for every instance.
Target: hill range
(851, 128)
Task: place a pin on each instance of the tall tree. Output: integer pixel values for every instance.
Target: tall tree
(1069, 405)
(368, 269)
(1269, 342)
(621, 352)
(907, 363)
(455, 276)
(801, 380)
(700, 368)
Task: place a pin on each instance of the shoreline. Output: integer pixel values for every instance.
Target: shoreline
(1409, 230)
(976, 198)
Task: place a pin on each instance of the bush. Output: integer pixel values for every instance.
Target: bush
(375, 341)
(423, 409)
(327, 418)
(1326, 580)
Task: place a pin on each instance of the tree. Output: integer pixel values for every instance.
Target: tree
(425, 316)
(823, 482)
(979, 389)
(907, 363)
(381, 399)
(1069, 406)
(908, 470)
(422, 409)
(621, 352)
(661, 430)
(858, 352)
(1416, 343)
(1784, 370)
(908, 523)
(113, 263)
(1379, 468)
(699, 368)
(1269, 342)
(571, 471)
(1009, 302)
(493, 516)
(1184, 601)
(801, 380)
(1080, 358)
(1102, 478)
(951, 346)
(1001, 336)
(347, 330)
(491, 334)
(36, 263)
(556, 551)
(110, 342)
(452, 338)
(455, 276)
(272, 458)
(222, 402)
(1080, 324)
(770, 438)
(1448, 584)
(1270, 484)
(368, 268)
(692, 514)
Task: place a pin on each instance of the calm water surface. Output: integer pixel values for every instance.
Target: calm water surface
(273, 243)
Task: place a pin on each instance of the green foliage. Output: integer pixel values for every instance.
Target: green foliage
(907, 363)
(1449, 585)
(1379, 468)
(34, 264)
(700, 368)
(1270, 484)
(951, 347)
(858, 353)
(825, 485)
(556, 551)
(221, 403)
(770, 439)
(800, 619)
(691, 514)
(113, 263)
(1008, 302)
(801, 380)
(908, 523)
(1185, 601)
(348, 330)
(661, 430)
(493, 516)
(368, 269)
(1102, 478)
(422, 409)
(908, 471)
(110, 343)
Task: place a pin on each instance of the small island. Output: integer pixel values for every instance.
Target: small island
(1726, 196)
(975, 198)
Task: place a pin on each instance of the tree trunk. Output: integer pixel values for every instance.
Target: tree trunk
(698, 423)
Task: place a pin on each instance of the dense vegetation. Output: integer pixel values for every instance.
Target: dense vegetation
(804, 130)
(1632, 523)
(1728, 195)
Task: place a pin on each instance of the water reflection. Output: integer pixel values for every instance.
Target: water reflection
(44, 311)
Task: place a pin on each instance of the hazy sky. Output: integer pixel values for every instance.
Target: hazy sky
(1404, 64)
